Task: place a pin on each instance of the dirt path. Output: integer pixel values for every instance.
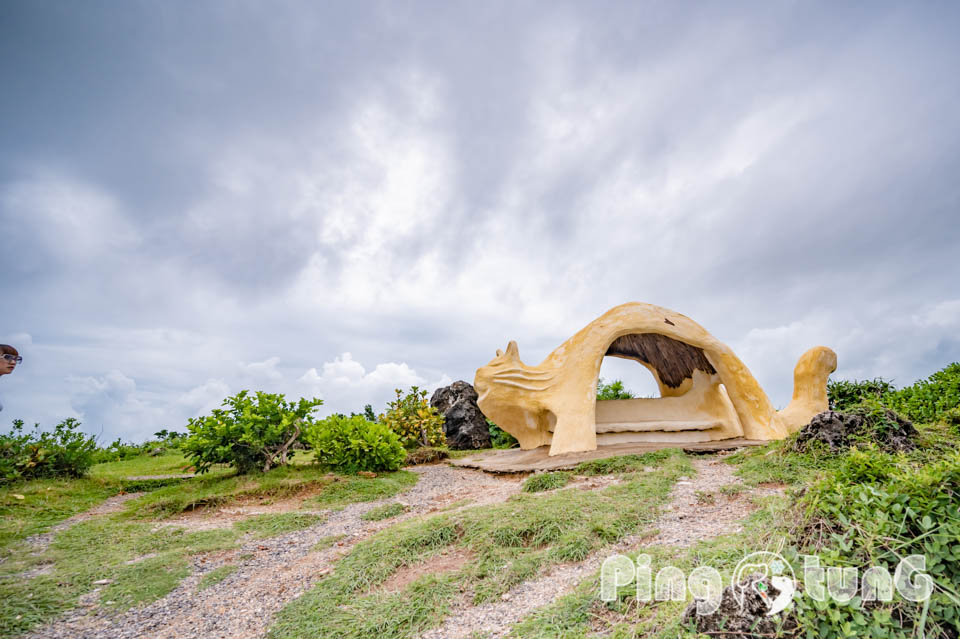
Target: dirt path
(272, 572)
(688, 518)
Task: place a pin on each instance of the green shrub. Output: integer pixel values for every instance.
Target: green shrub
(250, 434)
(65, 452)
(872, 511)
(414, 420)
(500, 438)
(352, 444)
(119, 451)
(844, 394)
(931, 399)
(952, 418)
(613, 390)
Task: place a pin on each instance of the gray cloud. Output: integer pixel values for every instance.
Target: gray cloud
(201, 198)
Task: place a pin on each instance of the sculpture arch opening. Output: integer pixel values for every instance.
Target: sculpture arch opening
(692, 405)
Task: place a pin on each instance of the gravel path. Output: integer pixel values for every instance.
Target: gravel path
(275, 571)
(686, 520)
(272, 572)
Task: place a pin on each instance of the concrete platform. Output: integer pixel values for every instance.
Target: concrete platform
(515, 460)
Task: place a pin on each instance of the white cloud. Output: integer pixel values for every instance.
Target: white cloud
(202, 399)
(346, 386)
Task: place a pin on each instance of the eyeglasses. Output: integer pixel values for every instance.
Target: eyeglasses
(12, 358)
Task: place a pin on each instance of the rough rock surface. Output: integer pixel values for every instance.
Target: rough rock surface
(839, 431)
(464, 424)
(742, 613)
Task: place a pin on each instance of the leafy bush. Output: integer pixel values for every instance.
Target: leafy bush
(927, 400)
(414, 420)
(65, 452)
(872, 511)
(118, 451)
(500, 438)
(352, 444)
(844, 394)
(250, 434)
(931, 399)
(613, 390)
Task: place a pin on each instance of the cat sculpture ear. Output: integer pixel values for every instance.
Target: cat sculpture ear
(512, 351)
(499, 353)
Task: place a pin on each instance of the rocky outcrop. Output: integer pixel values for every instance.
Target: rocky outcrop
(743, 612)
(465, 426)
(838, 431)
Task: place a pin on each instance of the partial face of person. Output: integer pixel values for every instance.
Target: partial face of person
(8, 363)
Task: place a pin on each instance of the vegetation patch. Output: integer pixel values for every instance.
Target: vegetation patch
(100, 553)
(426, 455)
(215, 576)
(30, 508)
(209, 491)
(873, 510)
(326, 542)
(546, 481)
(384, 512)
(170, 463)
(350, 489)
(625, 463)
(271, 525)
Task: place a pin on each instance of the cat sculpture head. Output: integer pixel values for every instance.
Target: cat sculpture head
(508, 390)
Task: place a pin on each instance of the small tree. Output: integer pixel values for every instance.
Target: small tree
(414, 420)
(250, 433)
(613, 390)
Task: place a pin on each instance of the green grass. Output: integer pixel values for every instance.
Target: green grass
(458, 454)
(384, 512)
(271, 525)
(171, 463)
(510, 543)
(349, 489)
(582, 613)
(215, 576)
(777, 463)
(623, 464)
(326, 542)
(46, 502)
(285, 481)
(141, 563)
(546, 481)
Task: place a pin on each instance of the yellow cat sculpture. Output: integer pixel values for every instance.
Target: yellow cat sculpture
(707, 393)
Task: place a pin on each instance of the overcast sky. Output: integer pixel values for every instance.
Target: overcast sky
(334, 199)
